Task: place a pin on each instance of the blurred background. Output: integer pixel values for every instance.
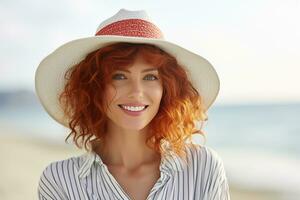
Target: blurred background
(254, 124)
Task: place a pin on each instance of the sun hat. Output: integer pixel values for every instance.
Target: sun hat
(124, 26)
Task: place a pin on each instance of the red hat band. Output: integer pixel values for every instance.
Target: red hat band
(132, 28)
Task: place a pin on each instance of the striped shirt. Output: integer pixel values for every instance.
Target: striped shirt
(87, 177)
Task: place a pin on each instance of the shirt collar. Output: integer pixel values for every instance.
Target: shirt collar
(170, 162)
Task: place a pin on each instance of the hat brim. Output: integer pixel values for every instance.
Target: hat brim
(49, 77)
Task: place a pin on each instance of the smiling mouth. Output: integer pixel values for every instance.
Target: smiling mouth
(137, 110)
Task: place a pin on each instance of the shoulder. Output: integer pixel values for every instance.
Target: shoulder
(57, 176)
(204, 154)
(205, 160)
(55, 168)
(208, 170)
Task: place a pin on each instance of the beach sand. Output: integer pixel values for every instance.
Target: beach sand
(24, 158)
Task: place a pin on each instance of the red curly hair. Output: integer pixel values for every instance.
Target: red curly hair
(83, 101)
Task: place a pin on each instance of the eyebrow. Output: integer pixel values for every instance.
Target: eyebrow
(145, 70)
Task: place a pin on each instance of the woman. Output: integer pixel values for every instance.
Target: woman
(133, 101)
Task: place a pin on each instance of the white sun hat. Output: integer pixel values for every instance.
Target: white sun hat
(124, 26)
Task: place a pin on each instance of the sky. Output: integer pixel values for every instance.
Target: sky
(253, 45)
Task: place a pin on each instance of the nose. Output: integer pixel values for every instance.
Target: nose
(136, 89)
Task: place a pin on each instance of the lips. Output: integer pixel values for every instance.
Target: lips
(133, 104)
(145, 106)
(133, 113)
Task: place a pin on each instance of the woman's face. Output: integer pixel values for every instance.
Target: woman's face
(135, 88)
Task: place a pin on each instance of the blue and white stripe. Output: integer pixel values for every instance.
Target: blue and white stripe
(87, 177)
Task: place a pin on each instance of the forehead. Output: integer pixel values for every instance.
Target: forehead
(139, 64)
(142, 70)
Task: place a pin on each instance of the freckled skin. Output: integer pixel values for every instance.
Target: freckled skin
(136, 86)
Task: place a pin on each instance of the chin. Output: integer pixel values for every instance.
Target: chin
(134, 127)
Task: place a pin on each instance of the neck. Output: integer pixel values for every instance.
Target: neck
(126, 149)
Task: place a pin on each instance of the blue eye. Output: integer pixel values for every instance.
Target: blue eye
(150, 75)
(122, 77)
(118, 75)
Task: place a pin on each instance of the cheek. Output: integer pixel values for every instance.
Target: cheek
(156, 92)
(110, 94)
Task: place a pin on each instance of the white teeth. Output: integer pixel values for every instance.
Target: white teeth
(133, 108)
